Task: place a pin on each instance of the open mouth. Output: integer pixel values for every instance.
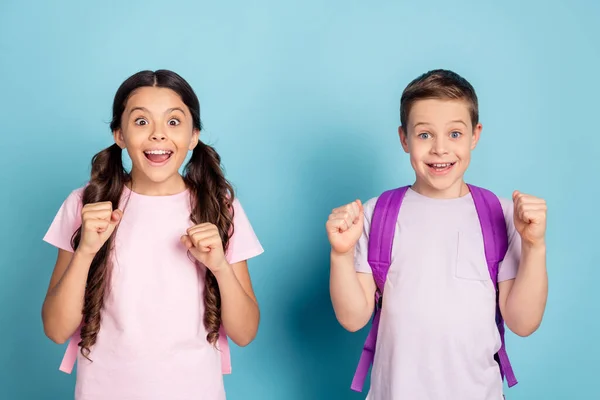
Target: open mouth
(158, 157)
(441, 168)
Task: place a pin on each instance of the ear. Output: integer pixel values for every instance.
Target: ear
(476, 135)
(403, 138)
(194, 139)
(119, 139)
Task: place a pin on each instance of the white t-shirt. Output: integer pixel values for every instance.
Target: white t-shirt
(437, 334)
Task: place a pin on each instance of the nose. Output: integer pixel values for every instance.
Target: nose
(158, 135)
(440, 146)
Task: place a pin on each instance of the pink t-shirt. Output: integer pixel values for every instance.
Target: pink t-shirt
(152, 341)
(437, 334)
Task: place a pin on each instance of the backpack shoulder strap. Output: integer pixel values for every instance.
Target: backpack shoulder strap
(493, 228)
(70, 356)
(381, 238)
(495, 241)
(224, 350)
(381, 233)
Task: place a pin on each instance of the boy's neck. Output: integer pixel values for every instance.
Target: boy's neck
(458, 189)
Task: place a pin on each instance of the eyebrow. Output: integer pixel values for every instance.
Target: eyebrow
(170, 110)
(456, 121)
(459, 121)
(420, 123)
(144, 109)
(138, 108)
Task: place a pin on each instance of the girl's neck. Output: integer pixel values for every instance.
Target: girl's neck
(142, 185)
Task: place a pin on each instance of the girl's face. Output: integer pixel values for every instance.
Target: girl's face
(157, 130)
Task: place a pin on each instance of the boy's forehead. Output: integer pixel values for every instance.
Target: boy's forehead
(435, 111)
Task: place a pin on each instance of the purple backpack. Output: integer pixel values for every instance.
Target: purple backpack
(383, 223)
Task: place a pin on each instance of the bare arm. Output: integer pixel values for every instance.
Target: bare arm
(63, 305)
(239, 308)
(352, 293)
(523, 299)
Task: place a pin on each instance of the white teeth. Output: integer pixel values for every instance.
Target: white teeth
(441, 165)
(158, 152)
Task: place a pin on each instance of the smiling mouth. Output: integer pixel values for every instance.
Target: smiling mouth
(441, 167)
(158, 156)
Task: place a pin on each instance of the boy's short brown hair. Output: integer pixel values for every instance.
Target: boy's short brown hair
(438, 84)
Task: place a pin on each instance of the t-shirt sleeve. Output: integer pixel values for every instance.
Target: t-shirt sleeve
(243, 244)
(66, 222)
(509, 266)
(361, 251)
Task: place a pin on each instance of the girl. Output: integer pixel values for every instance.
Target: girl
(151, 266)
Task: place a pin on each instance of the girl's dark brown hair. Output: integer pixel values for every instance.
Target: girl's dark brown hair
(211, 198)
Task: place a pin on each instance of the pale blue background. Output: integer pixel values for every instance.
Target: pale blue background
(301, 99)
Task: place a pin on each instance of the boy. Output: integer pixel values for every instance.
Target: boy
(437, 336)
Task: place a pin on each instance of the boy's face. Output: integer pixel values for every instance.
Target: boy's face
(439, 138)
